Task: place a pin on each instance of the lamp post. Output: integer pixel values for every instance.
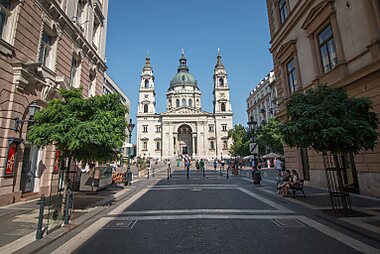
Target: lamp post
(252, 126)
(32, 109)
(130, 127)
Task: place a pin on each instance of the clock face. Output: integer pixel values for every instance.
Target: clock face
(221, 94)
(145, 96)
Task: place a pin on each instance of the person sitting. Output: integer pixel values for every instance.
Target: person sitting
(293, 183)
(285, 179)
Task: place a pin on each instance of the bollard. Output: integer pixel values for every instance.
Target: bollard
(227, 173)
(220, 171)
(170, 171)
(168, 175)
(148, 172)
(153, 171)
(40, 218)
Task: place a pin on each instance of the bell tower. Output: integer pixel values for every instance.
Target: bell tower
(221, 91)
(147, 102)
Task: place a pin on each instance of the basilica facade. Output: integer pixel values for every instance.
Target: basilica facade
(184, 128)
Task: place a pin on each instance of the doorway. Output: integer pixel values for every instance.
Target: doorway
(29, 168)
(185, 138)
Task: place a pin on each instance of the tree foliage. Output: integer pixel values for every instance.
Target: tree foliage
(240, 137)
(327, 120)
(270, 135)
(90, 129)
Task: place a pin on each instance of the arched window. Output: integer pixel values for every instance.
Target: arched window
(225, 145)
(223, 107)
(190, 102)
(145, 108)
(221, 82)
(158, 146)
(145, 145)
(212, 145)
(146, 83)
(177, 103)
(183, 102)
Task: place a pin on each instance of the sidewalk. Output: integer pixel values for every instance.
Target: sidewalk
(18, 221)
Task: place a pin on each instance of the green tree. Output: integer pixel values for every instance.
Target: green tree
(240, 137)
(327, 120)
(82, 129)
(270, 135)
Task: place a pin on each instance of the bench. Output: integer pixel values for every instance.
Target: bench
(299, 187)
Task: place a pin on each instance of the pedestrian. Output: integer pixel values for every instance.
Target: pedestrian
(215, 164)
(268, 163)
(202, 165)
(278, 165)
(222, 163)
(197, 166)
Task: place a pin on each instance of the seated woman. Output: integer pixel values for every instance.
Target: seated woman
(293, 183)
(285, 179)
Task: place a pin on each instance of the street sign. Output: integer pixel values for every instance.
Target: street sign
(253, 148)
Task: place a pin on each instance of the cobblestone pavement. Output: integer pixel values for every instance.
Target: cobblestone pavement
(214, 214)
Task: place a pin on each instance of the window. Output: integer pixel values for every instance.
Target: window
(92, 84)
(46, 50)
(212, 146)
(146, 83)
(327, 49)
(177, 103)
(224, 127)
(145, 128)
(96, 33)
(223, 107)
(145, 145)
(158, 145)
(221, 82)
(74, 71)
(81, 13)
(283, 10)
(211, 128)
(158, 128)
(190, 102)
(183, 102)
(292, 78)
(169, 103)
(225, 145)
(145, 108)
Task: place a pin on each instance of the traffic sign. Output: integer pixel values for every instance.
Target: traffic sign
(253, 148)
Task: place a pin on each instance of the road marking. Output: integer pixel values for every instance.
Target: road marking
(192, 185)
(19, 243)
(75, 242)
(347, 240)
(199, 188)
(264, 200)
(208, 216)
(205, 211)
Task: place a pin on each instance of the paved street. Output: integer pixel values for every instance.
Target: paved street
(214, 215)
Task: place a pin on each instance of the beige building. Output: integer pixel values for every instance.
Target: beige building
(110, 86)
(333, 42)
(45, 45)
(262, 100)
(184, 128)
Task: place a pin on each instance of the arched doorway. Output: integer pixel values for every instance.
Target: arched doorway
(185, 140)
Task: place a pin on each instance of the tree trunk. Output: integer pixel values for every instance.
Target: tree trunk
(66, 188)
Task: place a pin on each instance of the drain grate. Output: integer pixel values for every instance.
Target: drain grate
(293, 223)
(122, 224)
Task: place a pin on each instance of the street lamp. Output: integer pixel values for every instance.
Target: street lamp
(130, 127)
(32, 109)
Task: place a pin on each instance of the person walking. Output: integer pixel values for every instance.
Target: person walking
(188, 168)
(215, 164)
(279, 165)
(197, 166)
(202, 165)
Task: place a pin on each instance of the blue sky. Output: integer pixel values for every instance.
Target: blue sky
(239, 28)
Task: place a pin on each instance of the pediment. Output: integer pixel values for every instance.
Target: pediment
(285, 47)
(183, 110)
(314, 13)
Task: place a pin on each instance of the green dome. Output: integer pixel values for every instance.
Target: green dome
(182, 78)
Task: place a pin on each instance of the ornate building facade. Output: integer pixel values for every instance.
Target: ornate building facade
(45, 45)
(334, 43)
(184, 128)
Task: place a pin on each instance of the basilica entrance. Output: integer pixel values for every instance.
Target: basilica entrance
(185, 140)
